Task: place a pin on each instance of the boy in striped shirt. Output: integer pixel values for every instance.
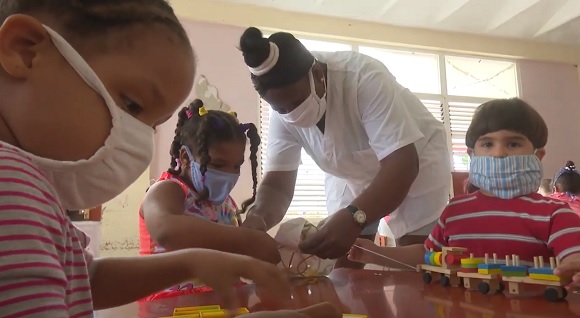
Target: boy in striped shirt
(506, 141)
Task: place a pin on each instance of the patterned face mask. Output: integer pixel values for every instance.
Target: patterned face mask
(506, 177)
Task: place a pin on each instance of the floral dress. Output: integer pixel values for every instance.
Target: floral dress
(224, 213)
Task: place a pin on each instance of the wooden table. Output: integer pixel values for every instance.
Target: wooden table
(379, 295)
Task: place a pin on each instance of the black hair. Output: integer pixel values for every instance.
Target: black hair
(568, 179)
(294, 60)
(87, 19)
(198, 132)
(511, 114)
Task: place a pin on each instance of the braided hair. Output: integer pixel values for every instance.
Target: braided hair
(198, 132)
(568, 179)
(90, 19)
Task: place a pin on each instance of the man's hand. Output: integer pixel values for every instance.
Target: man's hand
(334, 238)
(221, 271)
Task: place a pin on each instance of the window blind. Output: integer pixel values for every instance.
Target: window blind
(460, 115)
(309, 195)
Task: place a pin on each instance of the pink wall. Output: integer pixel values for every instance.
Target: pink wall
(554, 90)
(220, 61)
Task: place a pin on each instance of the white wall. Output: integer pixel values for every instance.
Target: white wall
(120, 231)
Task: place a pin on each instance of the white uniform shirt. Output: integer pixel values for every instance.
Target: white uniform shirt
(368, 116)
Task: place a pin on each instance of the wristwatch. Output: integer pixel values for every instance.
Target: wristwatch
(358, 216)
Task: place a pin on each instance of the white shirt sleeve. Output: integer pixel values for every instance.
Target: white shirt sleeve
(383, 105)
(283, 153)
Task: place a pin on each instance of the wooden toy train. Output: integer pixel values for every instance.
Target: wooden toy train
(489, 276)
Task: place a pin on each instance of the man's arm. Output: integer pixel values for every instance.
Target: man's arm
(392, 132)
(276, 190)
(273, 198)
(391, 185)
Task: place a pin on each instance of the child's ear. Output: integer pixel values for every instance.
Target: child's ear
(540, 153)
(22, 40)
(470, 152)
(183, 158)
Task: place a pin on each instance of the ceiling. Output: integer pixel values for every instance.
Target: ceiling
(541, 20)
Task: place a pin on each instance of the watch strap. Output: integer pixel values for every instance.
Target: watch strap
(352, 209)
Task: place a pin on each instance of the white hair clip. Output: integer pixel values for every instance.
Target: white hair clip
(269, 63)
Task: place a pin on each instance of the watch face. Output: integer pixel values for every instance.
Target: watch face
(360, 217)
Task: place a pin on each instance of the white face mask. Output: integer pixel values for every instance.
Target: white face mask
(126, 154)
(310, 111)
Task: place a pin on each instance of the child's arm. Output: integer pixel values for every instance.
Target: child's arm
(411, 255)
(118, 281)
(570, 267)
(564, 240)
(162, 209)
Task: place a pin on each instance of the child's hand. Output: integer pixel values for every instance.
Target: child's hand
(221, 271)
(323, 310)
(358, 255)
(262, 246)
(570, 267)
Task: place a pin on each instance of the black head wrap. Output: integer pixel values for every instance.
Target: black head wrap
(293, 60)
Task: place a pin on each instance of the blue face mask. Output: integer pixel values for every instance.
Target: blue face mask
(218, 183)
(508, 177)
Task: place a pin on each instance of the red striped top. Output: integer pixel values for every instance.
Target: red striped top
(572, 200)
(527, 226)
(43, 263)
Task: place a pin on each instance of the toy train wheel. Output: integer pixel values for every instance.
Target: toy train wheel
(552, 294)
(427, 278)
(501, 287)
(483, 287)
(444, 281)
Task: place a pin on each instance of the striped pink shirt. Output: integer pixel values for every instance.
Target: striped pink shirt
(43, 263)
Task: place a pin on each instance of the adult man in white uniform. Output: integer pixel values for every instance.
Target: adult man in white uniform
(382, 150)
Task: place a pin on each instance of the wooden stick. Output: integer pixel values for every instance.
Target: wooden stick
(536, 262)
(552, 263)
(557, 262)
(517, 260)
(507, 260)
(385, 257)
(494, 258)
(541, 261)
(486, 260)
(471, 255)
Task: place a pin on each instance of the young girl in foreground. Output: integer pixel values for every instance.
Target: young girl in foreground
(190, 205)
(75, 131)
